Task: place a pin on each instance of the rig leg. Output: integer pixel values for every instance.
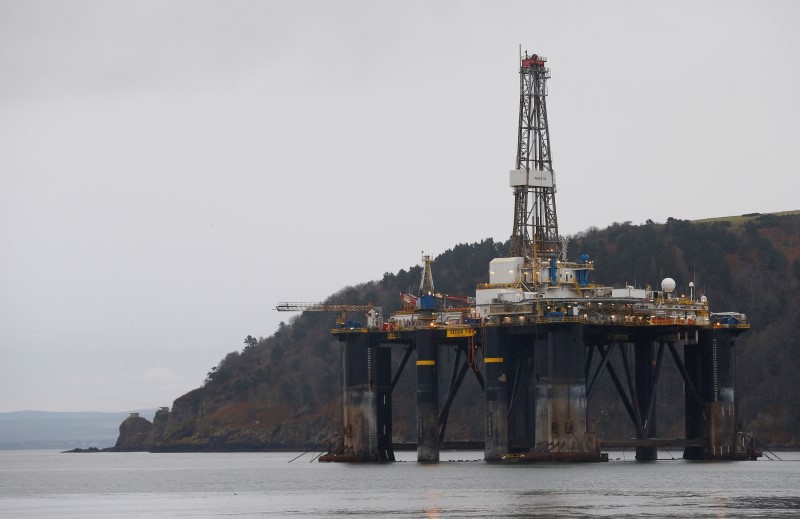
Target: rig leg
(695, 421)
(645, 367)
(519, 361)
(383, 394)
(496, 395)
(561, 395)
(711, 365)
(427, 396)
(359, 414)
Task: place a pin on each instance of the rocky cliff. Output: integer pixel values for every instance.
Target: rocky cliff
(133, 433)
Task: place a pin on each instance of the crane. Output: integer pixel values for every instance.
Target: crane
(374, 313)
(428, 298)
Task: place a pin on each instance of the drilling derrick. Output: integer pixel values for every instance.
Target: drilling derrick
(535, 225)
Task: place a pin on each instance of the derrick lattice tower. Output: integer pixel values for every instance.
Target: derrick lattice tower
(535, 224)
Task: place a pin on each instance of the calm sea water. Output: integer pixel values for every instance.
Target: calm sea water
(44, 484)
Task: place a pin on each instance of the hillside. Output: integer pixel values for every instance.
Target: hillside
(282, 391)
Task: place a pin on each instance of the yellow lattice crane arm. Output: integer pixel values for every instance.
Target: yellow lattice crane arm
(321, 307)
(374, 314)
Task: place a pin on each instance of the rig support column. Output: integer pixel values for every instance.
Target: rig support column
(495, 394)
(359, 416)
(427, 396)
(519, 361)
(561, 394)
(711, 365)
(645, 365)
(383, 403)
(695, 422)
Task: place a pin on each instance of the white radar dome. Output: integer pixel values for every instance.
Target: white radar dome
(668, 285)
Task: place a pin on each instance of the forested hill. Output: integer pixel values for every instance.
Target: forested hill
(282, 391)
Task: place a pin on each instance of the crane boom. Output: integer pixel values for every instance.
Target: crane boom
(321, 307)
(373, 313)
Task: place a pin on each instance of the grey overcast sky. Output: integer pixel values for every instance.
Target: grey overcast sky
(169, 170)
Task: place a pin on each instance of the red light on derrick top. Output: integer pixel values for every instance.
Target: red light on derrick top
(535, 59)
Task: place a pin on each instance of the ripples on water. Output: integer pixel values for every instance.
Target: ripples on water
(126, 485)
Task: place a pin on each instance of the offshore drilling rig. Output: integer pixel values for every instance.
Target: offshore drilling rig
(538, 337)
